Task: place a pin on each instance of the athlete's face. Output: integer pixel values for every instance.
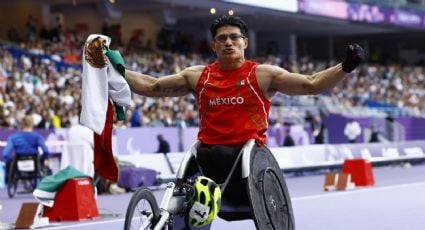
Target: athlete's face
(229, 43)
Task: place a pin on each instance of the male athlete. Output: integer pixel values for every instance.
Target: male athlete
(233, 95)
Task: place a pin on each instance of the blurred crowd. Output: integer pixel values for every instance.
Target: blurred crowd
(32, 82)
(385, 86)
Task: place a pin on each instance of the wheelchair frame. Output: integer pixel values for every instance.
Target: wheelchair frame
(15, 175)
(174, 199)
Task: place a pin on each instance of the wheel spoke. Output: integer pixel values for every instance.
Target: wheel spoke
(142, 211)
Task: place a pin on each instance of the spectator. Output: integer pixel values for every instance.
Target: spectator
(390, 127)
(374, 134)
(30, 29)
(319, 130)
(287, 138)
(79, 150)
(309, 119)
(352, 130)
(56, 31)
(135, 118)
(163, 146)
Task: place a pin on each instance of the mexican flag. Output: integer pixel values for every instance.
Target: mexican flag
(46, 190)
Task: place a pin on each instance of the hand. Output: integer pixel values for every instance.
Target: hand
(93, 52)
(354, 57)
(46, 162)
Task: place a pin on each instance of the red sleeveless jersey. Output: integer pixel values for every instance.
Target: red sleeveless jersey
(232, 107)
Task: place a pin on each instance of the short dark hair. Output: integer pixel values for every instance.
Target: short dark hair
(227, 20)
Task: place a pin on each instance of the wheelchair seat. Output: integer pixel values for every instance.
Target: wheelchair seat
(24, 168)
(216, 163)
(254, 187)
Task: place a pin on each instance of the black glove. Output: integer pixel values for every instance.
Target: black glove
(354, 57)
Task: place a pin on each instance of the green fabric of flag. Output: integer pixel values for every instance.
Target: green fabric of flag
(116, 60)
(118, 63)
(46, 190)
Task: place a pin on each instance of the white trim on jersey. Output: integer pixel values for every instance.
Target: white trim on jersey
(258, 96)
(200, 95)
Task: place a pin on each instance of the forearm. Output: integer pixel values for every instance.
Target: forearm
(168, 86)
(46, 153)
(327, 78)
(140, 83)
(299, 84)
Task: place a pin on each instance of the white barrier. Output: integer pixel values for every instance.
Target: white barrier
(302, 157)
(289, 158)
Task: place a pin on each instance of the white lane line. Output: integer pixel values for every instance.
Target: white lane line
(86, 224)
(349, 192)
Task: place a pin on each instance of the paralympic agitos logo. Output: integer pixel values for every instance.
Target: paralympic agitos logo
(226, 101)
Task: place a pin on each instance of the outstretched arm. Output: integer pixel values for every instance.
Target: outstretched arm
(173, 85)
(178, 84)
(298, 84)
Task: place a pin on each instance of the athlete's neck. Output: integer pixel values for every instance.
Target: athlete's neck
(229, 64)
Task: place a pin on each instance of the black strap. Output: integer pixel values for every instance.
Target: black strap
(224, 185)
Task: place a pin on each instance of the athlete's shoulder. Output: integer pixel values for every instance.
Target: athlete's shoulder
(195, 70)
(15, 135)
(267, 68)
(192, 74)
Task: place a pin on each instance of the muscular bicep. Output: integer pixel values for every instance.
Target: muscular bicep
(277, 79)
(298, 84)
(167, 86)
(293, 84)
(172, 86)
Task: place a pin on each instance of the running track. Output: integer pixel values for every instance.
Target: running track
(397, 201)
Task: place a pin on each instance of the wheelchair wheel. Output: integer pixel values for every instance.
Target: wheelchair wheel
(12, 182)
(142, 210)
(268, 194)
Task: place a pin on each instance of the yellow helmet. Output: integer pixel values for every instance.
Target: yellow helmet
(205, 202)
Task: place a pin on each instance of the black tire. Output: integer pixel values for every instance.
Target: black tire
(268, 194)
(12, 184)
(12, 180)
(142, 204)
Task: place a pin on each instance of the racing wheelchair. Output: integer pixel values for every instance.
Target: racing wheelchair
(253, 188)
(24, 168)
